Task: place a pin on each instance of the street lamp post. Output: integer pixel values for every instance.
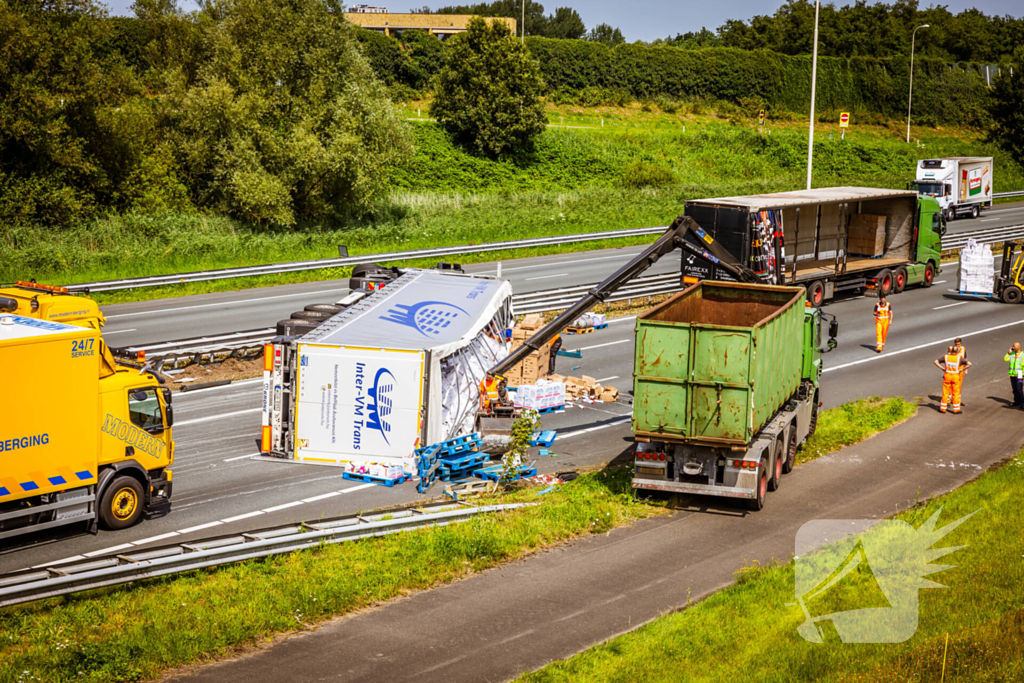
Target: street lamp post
(910, 94)
(523, 32)
(814, 80)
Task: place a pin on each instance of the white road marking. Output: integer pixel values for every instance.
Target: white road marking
(959, 303)
(985, 220)
(107, 333)
(282, 507)
(915, 348)
(357, 488)
(597, 346)
(247, 515)
(321, 497)
(562, 435)
(619, 320)
(607, 379)
(186, 394)
(217, 417)
(240, 457)
(64, 561)
(112, 549)
(154, 539)
(545, 277)
(199, 528)
(224, 303)
(622, 256)
(940, 282)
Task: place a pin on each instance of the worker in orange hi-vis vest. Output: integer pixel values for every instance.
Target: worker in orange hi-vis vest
(953, 366)
(883, 317)
(490, 393)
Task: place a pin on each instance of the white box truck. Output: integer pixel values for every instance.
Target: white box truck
(962, 185)
(396, 371)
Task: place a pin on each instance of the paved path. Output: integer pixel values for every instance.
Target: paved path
(516, 618)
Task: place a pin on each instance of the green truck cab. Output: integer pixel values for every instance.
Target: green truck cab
(725, 388)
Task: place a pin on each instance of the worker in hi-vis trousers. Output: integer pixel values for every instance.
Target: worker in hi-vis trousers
(953, 366)
(883, 316)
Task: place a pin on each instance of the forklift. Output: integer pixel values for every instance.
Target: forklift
(1009, 285)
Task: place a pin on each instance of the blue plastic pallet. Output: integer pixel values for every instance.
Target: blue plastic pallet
(494, 474)
(545, 438)
(461, 444)
(989, 294)
(370, 479)
(552, 409)
(461, 462)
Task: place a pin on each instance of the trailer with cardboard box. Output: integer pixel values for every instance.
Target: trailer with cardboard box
(393, 372)
(828, 240)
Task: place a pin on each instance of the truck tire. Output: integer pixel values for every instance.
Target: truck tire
(975, 211)
(332, 309)
(1012, 294)
(899, 281)
(775, 481)
(121, 503)
(929, 275)
(885, 282)
(315, 316)
(294, 328)
(816, 293)
(813, 426)
(757, 502)
(790, 461)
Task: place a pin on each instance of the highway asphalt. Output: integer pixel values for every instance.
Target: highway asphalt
(184, 317)
(219, 489)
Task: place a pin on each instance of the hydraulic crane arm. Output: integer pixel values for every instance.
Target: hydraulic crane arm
(673, 239)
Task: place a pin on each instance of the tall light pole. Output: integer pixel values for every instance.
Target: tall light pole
(910, 94)
(524, 22)
(814, 81)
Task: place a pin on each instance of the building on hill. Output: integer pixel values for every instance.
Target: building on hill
(440, 25)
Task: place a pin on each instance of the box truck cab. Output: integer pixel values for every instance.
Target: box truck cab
(84, 439)
(962, 186)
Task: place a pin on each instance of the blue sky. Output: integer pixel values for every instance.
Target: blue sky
(650, 19)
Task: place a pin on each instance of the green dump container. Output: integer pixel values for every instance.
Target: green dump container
(715, 362)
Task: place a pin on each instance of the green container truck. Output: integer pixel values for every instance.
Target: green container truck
(725, 388)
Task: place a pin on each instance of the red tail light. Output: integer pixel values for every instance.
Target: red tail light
(661, 456)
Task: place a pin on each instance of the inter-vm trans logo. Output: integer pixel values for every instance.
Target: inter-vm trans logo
(373, 410)
(427, 317)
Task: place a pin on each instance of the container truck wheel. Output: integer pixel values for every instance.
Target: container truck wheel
(787, 466)
(885, 282)
(333, 309)
(899, 282)
(315, 316)
(775, 481)
(814, 418)
(121, 504)
(929, 275)
(1012, 294)
(975, 211)
(757, 502)
(816, 293)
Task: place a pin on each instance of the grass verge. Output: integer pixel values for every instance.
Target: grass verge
(853, 422)
(135, 632)
(749, 631)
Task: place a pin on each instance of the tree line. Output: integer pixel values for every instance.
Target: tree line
(861, 30)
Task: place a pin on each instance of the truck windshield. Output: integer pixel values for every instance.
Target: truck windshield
(930, 189)
(144, 408)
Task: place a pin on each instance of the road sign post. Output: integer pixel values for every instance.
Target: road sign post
(760, 120)
(844, 123)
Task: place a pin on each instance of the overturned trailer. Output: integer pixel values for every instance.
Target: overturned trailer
(395, 371)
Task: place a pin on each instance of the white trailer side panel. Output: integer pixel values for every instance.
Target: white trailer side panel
(357, 404)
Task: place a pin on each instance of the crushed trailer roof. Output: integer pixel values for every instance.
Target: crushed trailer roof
(824, 195)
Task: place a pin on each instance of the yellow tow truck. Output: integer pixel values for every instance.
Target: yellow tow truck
(85, 438)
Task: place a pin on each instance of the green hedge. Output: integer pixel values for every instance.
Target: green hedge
(943, 92)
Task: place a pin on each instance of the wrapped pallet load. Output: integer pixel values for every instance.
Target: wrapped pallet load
(976, 274)
(396, 371)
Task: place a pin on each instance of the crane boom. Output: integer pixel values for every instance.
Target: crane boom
(672, 239)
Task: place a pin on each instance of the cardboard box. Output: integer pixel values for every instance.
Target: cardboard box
(534, 321)
(589, 381)
(609, 394)
(867, 235)
(556, 378)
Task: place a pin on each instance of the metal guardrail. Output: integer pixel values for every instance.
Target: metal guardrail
(73, 577)
(986, 236)
(317, 264)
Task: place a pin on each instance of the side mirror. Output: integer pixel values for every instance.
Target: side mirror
(833, 329)
(169, 412)
(832, 343)
(138, 395)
